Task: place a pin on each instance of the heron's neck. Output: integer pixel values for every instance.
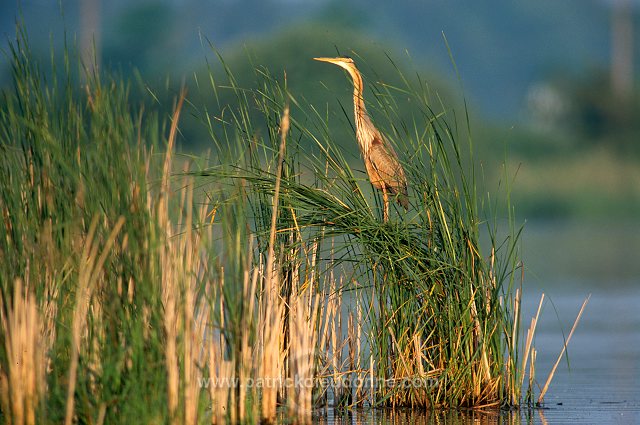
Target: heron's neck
(359, 109)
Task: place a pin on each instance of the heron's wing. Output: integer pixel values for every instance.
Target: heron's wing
(385, 162)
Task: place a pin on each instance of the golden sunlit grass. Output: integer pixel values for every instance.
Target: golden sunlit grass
(22, 377)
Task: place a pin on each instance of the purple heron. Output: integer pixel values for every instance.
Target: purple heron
(380, 159)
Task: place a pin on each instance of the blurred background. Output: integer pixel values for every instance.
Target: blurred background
(551, 88)
(554, 105)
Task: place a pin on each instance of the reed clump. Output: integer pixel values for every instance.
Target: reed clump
(434, 315)
(136, 287)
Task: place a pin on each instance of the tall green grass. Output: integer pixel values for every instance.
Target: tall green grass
(136, 287)
(76, 230)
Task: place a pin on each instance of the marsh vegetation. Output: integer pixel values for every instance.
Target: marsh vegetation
(140, 285)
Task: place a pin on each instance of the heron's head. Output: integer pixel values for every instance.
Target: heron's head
(343, 62)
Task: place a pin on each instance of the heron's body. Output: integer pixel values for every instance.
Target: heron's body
(380, 160)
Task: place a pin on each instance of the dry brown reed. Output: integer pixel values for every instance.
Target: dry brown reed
(183, 265)
(23, 385)
(512, 382)
(171, 270)
(564, 347)
(529, 350)
(221, 370)
(271, 363)
(273, 305)
(302, 349)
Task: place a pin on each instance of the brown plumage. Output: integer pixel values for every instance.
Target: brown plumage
(380, 160)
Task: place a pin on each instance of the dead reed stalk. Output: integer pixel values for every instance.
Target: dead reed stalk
(302, 349)
(564, 347)
(273, 306)
(22, 386)
(528, 349)
(221, 371)
(171, 269)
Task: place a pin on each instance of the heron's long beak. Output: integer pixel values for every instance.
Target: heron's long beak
(330, 60)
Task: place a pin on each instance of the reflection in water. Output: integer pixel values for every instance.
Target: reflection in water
(421, 417)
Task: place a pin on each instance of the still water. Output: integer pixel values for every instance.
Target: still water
(598, 381)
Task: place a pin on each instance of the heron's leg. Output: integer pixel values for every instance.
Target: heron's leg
(385, 201)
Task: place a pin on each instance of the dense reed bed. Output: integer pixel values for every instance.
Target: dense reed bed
(136, 287)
